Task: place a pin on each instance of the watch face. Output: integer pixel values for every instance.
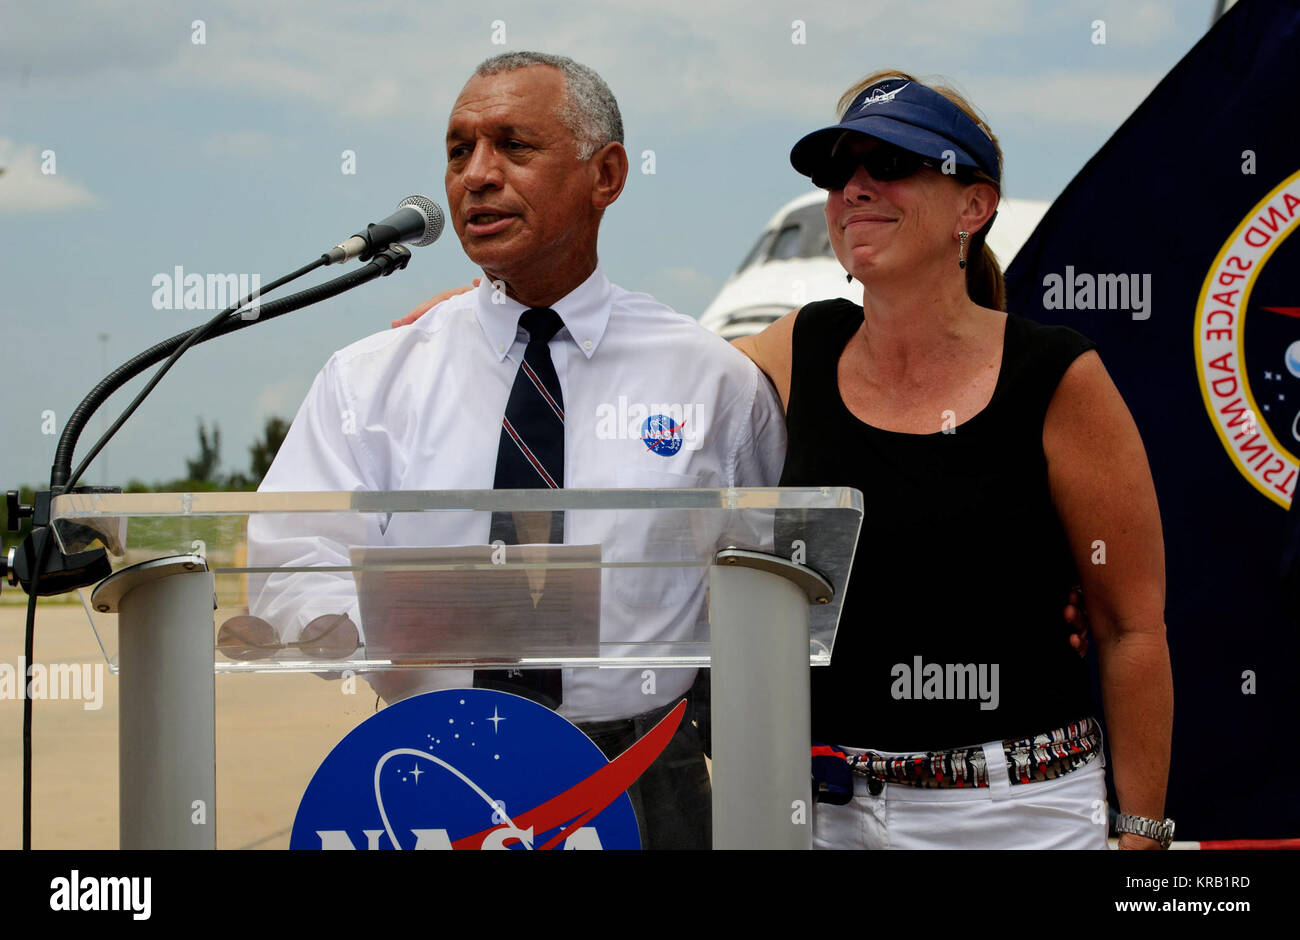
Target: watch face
(1162, 832)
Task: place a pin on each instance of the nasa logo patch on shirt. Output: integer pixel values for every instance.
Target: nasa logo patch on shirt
(474, 769)
(662, 435)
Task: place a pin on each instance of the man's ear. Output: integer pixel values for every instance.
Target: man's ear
(609, 170)
(980, 201)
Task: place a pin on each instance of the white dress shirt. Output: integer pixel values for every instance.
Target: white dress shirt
(420, 408)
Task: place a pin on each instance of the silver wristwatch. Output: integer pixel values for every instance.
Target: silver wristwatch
(1162, 832)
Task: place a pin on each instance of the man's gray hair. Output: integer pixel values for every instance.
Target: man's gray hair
(589, 108)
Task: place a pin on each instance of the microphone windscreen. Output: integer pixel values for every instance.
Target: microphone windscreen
(433, 218)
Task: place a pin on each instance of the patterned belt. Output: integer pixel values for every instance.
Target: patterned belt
(1042, 757)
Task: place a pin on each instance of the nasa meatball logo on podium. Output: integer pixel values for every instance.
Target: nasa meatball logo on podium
(474, 769)
(1248, 344)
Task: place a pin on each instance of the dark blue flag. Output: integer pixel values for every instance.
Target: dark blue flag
(1170, 249)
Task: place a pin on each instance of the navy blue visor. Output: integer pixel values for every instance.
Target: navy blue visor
(908, 115)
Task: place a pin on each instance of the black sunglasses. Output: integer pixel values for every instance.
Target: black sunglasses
(885, 164)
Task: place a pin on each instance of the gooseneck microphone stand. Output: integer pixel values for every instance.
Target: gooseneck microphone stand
(44, 569)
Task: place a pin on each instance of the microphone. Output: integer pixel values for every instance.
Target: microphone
(418, 220)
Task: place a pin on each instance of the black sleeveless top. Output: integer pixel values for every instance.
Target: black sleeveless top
(952, 630)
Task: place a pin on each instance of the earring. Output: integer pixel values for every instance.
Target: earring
(961, 252)
(848, 279)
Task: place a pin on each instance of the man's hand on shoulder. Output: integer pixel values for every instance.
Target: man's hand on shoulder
(433, 302)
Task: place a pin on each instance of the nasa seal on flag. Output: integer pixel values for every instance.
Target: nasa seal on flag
(1246, 377)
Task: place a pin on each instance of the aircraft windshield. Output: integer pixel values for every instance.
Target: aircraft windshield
(801, 234)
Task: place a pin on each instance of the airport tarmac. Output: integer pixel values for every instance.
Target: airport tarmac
(272, 733)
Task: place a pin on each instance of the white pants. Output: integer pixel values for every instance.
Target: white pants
(1068, 812)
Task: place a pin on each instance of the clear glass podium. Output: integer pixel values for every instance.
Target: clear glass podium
(650, 592)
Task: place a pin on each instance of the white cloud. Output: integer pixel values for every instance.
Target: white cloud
(690, 62)
(243, 145)
(24, 188)
(688, 277)
(1074, 97)
(281, 398)
(1142, 23)
(685, 289)
(391, 58)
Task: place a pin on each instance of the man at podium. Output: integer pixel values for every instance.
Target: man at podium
(546, 375)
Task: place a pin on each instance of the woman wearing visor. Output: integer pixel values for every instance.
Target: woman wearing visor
(997, 460)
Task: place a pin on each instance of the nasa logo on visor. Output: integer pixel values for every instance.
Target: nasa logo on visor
(878, 94)
(474, 769)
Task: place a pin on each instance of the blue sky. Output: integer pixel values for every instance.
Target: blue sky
(226, 157)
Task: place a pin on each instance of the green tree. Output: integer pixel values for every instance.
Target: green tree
(204, 468)
(264, 450)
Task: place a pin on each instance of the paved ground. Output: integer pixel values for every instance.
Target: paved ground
(272, 733)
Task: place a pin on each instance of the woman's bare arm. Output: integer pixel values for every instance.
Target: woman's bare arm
(1106, 500)
(771, 350)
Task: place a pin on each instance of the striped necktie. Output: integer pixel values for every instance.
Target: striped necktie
(530, 455)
